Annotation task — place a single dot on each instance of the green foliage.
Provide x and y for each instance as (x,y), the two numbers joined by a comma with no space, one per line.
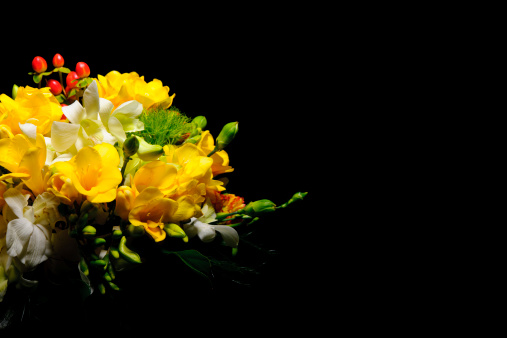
(164,126)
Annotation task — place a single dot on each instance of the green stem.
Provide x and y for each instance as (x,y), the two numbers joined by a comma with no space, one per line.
(125,161)
(213,151)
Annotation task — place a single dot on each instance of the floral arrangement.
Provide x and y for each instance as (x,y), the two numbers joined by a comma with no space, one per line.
(98,175)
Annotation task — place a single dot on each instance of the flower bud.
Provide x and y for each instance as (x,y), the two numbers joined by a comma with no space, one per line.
(14,91)
(130,146)
(200,121)
(297,197)
(148,152)
(89,231)
(227,134)
(259,207)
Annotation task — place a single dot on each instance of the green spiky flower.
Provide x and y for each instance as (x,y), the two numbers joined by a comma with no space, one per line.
(164,126)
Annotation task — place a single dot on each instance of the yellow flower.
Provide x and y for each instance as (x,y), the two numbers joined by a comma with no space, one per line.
(220,158)
(195,176)
(152,210)
(36,106)
(93,172)
(119,88)
(25,159)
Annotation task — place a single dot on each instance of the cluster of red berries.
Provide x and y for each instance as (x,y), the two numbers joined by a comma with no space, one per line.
(72,80)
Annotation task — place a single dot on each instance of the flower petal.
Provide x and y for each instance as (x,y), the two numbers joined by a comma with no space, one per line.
(116,129)
(18,235)
(63,135)
(106,107)
(30,131)
(36,249)
(16,201)
(91,101)
(74,113)
(229,235)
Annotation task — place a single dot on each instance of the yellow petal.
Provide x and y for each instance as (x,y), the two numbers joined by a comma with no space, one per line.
(108,154)
(157,174)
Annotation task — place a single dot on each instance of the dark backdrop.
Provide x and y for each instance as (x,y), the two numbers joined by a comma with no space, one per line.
(261,81)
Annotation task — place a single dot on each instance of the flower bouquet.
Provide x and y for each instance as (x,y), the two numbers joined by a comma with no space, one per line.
(102,176)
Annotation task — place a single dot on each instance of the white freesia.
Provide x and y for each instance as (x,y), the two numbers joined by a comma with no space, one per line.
(87,129)
(28,236)
(207,232)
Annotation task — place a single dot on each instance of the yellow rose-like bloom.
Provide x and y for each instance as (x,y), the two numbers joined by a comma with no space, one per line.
(32,105)
(119,88)
(152,210)
(93,172)
(62,187)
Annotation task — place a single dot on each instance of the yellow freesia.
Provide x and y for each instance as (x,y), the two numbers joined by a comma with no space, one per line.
(152,210)
(220,158)
(119,88)
(195,176)
(94,172)
(32,105)
(25,160)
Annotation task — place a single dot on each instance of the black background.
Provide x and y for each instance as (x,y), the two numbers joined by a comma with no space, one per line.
(264,80)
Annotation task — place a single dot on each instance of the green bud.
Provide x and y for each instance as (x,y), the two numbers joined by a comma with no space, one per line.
(113,286)
(14,91)
(73,219)
(82,221)
(83,267)
(99,263)
(200,121)
(126,253)
(174,230)
(117,234)
(114,252)
(148,152)
(227,134)
(297,197)
(193,139)
(259,207)
(130,146)
(99,241)
(89,231)
(135,230)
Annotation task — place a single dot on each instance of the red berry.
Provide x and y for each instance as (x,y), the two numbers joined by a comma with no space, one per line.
(54,87)
(39,64)
(71,80)
(57,61)
(82,70)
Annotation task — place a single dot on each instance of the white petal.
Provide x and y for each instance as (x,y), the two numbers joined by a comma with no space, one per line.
(116,129)
(18,235)
(74,113)
(131,109)
(63,135)
(229,235)
(106,107)
(30,131)
(36,249)
(204,231)
(127,114)
(16,201)
(91,101)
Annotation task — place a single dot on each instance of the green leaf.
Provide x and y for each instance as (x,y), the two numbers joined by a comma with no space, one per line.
(47,73)
(62,69)
(60,98)
(195,261)
(84,82)
(37,78)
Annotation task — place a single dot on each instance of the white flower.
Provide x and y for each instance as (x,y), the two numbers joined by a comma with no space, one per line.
(207,232)
(28,237)
(87,129)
